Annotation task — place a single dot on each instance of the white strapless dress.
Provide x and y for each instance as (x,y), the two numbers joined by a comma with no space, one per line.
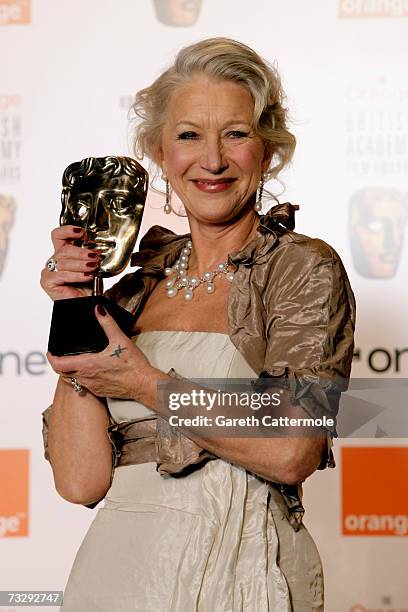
(217,540)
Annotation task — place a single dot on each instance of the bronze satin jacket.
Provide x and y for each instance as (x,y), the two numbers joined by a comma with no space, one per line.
(291,314)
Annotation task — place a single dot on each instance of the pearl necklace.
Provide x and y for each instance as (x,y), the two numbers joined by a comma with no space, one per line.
(189,283)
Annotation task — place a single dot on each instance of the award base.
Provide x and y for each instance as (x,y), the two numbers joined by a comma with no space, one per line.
(75,329)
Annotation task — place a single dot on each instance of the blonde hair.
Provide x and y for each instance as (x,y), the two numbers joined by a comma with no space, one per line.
(221,58)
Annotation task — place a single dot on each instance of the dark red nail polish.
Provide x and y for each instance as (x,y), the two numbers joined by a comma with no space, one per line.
(93,255)
(101,310)
(91,264)
(78,230)
(88,274)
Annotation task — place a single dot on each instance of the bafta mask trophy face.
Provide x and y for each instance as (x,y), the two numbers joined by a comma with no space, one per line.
(106,196)
(177,12)
(377,220)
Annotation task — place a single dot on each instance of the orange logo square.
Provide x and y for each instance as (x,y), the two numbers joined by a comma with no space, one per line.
(13,12)
(14,465)
(374,491)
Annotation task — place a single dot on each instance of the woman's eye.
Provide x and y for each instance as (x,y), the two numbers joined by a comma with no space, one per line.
(187,136)
(238,134)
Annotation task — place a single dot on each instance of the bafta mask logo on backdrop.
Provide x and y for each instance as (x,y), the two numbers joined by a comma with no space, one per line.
(366,471)
(10,137)
(179,13)
(372,8)
(14,12)
(14,469)
(377,220)
(7,211)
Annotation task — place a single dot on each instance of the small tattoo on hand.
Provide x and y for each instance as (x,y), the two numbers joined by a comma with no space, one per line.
(117,352)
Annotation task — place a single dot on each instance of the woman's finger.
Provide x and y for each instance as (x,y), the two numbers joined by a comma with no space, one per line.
(56,279)
(111,329)
(76,265)
(70,251)
(61,234)
(68,363)
(58,284)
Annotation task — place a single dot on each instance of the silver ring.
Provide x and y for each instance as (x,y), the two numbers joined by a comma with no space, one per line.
(77,387)
(52,265)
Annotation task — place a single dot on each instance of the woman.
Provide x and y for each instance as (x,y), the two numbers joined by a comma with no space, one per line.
(194,522)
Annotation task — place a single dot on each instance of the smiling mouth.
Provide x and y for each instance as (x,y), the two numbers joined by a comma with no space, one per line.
(213,185)
(214,181)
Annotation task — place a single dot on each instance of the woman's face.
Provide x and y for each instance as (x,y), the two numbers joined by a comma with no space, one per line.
(209,151)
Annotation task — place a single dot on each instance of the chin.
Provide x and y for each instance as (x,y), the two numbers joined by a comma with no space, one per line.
(217,211)
(217,217)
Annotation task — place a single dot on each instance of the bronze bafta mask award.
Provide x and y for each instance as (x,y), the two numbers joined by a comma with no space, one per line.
(106,196)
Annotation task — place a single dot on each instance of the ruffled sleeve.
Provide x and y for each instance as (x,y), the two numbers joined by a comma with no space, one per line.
(310,328)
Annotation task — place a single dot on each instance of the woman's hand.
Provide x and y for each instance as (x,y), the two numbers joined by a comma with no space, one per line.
(74,265)
(121,370)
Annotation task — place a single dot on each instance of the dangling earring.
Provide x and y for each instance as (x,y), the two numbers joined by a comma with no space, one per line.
(258,205)
(167,206)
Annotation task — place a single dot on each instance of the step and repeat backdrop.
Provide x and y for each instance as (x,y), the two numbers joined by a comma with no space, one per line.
(68,73)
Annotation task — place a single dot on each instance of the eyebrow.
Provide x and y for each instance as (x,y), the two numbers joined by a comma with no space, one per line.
(234,122)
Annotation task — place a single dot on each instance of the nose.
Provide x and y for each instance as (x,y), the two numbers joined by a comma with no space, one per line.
(213,159)
(97,219)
